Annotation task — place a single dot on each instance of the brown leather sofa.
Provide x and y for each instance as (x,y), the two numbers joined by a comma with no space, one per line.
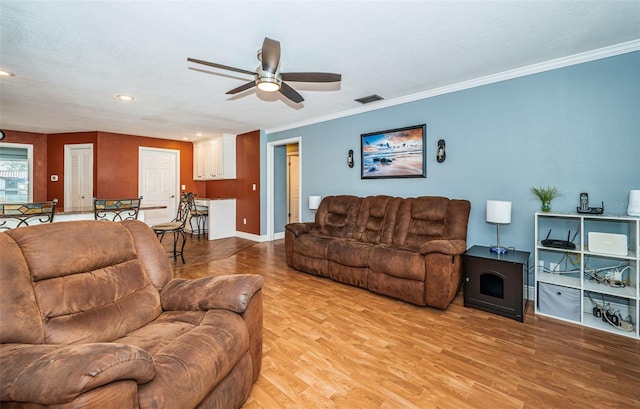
(407,248)
(92,318)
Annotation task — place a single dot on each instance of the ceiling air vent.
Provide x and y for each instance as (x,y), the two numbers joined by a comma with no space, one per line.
(368,99)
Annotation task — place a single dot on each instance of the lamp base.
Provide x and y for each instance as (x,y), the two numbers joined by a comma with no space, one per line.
(499,250)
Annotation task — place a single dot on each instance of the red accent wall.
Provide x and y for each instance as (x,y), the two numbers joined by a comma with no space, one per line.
(40,177)
(116,168)
(55,160)
(117,159)
(115,162)
(247,173)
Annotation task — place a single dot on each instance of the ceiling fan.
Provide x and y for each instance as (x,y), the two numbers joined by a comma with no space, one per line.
(268,77)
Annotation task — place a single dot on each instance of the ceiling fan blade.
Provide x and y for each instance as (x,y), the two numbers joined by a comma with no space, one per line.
(224,67)
(290,93)
(243,87)
(270,55)
(311,77)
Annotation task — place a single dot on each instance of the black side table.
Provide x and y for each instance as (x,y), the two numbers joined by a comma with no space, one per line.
(494,282)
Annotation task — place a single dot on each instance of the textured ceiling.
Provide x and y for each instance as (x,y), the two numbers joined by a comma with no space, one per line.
(71,59)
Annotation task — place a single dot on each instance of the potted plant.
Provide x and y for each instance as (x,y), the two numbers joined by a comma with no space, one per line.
(546,194)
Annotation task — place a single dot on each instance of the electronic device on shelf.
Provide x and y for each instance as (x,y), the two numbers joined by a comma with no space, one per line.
(560,244)
(584,205)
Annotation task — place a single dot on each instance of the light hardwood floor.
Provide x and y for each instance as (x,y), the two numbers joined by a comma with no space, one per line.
(331,345)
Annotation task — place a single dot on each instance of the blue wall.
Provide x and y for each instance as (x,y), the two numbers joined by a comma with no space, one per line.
(576,128)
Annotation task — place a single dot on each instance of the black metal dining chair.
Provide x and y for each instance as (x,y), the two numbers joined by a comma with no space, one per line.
(198,214)
(176,227)
(116,209)
(13,215)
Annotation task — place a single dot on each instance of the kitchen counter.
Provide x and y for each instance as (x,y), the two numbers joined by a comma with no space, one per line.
(222,216)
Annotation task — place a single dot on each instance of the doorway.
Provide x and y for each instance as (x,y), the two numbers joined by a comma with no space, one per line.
(276,206)
(293,184)
(78,177)
(158,178)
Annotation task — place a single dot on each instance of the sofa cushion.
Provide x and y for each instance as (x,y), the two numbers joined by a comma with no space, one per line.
(397,262)
(192,351)
(349,252)
(337,215)
(419,220)
(312,246)
(377,219)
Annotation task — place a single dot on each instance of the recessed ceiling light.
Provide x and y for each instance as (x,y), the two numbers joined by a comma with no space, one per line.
(199,134)
(125,97)
(185,138)
(4,73)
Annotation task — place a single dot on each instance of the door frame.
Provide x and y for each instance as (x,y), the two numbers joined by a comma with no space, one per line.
(67,171)
(289,156)
(175,152)
(270,182)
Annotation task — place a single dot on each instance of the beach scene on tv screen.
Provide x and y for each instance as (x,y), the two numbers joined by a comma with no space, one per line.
(393,154)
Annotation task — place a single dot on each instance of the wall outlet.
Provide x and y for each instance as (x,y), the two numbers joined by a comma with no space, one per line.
(554,267)
(184,187)
(244,220)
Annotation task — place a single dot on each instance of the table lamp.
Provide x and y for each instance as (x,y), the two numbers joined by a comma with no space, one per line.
(314,202)
(498,212)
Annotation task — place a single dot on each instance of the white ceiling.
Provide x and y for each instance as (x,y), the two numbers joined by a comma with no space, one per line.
(71,59)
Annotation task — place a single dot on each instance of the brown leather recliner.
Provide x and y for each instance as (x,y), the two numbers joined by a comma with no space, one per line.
(407,248)
(90,317)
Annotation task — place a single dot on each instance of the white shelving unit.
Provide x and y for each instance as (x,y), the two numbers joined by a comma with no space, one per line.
(569,281)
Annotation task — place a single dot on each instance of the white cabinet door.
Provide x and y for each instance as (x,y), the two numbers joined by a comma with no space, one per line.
(198,161)
(215,158)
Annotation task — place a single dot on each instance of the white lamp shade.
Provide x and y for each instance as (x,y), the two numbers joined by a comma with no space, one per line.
(634,203)
(314,202)
(498,212)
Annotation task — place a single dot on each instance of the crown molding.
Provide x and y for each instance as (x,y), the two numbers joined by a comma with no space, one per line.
(600,53)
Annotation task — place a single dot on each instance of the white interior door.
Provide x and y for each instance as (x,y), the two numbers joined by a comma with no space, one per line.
(78,177)
(159,173)
(293,188)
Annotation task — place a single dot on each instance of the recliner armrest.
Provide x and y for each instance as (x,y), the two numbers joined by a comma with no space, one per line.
(449,247)
(232,292)
(57,374)
(303,228)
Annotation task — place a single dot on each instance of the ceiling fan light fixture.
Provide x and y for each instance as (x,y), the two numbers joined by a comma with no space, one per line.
(268,84)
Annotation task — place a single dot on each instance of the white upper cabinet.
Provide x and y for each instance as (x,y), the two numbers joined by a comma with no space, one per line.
(215,158)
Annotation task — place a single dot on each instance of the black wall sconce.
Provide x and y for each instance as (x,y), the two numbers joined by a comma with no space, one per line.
(350,158)
(442,154)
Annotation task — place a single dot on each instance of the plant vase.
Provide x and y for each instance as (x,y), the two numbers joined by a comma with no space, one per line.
(546,194)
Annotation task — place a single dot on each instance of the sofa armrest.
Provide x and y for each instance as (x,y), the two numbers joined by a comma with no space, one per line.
(303,228)
(57,374)
(230,292)
(449,247)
